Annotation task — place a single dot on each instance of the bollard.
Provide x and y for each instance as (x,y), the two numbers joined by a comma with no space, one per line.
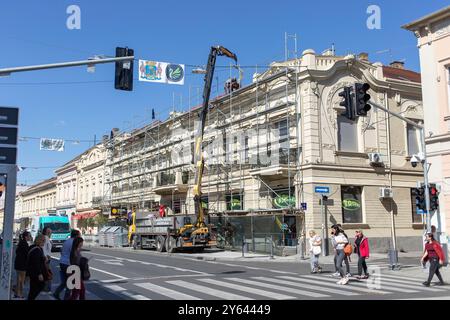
(243,246)
(271,247)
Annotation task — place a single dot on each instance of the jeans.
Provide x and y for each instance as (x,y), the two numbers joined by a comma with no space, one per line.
(36,287)
(340,257)
(347,264)
(314,262)
(362,266)
(434,269)
(63,284)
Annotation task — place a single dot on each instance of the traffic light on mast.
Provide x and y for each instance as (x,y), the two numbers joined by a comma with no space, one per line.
(434,197)
(347,102)
(362,98)
(124,70)
(420,198)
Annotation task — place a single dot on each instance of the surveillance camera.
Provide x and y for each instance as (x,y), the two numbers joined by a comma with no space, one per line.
(414,161)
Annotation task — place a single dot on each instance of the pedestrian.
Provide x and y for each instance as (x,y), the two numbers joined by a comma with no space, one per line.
(336,273)
(362,250)
(76,259)
(20,263)
(434,254)
(47,232)
(340,241)
(315,242)
(433,231)
(64,263)
(36,267)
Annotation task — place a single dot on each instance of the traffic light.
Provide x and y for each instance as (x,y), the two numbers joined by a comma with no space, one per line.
(124,70)
(347,103)
(420,198)
(362,98)
(434,197)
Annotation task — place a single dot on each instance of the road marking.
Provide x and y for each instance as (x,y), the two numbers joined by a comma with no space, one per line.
(209,291)
(391,287)
(333,284)
(99,270)
(135,296)
(307,286)
(433,298)
(264,293)
(411,283)
(393,282)
(153,264)
(166,292)
(280,288)
(410,279)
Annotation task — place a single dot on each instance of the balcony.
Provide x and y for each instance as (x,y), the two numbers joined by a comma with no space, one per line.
(172,183)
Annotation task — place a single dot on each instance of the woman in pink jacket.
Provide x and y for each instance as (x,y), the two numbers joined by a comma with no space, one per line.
(362,249)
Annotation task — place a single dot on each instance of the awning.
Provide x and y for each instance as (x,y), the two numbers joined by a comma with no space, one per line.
(86,215)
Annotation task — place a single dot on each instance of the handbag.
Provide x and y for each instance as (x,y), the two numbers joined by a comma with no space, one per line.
(316,250)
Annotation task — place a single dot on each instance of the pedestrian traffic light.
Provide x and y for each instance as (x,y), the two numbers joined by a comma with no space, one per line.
(347,102)
(420,198)
(362,98)
(434,197)
(124,70)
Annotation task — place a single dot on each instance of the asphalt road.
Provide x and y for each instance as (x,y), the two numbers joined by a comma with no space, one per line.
(124,274)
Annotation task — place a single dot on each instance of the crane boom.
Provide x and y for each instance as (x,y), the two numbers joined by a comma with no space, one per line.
(198,157)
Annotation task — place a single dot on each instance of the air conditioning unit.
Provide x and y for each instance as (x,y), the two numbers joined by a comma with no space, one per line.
(375,159)
(386,193)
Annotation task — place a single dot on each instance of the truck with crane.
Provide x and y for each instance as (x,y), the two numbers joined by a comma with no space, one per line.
(152,230)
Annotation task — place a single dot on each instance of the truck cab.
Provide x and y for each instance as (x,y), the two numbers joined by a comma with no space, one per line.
(60,226)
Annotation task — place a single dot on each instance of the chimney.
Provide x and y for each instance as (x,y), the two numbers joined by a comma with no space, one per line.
(363,56)
(397,64)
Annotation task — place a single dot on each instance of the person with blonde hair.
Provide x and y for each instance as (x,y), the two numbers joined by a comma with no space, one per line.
(315,249)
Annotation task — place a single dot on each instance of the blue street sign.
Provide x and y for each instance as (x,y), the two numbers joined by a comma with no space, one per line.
(420,211)
(304,206)
(322,190)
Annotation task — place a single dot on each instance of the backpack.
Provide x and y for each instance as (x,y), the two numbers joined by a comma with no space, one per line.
(348,249)
(84,268)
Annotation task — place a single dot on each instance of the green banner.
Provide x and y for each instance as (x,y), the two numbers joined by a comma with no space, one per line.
(284,201)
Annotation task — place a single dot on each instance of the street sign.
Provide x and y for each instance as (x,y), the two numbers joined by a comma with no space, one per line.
(9,116)
(8,136)
(304,206)
(322,190)
(420,211)
(8,155)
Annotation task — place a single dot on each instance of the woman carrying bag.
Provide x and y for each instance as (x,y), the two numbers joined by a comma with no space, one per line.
(434,254)
(37,268)
(315,243)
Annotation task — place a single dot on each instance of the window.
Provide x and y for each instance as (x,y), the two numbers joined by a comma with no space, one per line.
(347,134)
(413,141)
(351,204)
(246,151)
(235,201)
(283,141)
(416,218)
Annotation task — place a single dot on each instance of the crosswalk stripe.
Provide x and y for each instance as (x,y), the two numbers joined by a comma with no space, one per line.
(407,284)
(364,286)
(280,288)
(400,277)
(326,282)
(307,286)
(209,291)
(264,293)
(135,296)
(166,292)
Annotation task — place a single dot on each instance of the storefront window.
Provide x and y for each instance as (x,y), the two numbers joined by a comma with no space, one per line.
(351,204)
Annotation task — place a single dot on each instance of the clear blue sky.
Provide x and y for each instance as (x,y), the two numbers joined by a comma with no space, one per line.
(35,32)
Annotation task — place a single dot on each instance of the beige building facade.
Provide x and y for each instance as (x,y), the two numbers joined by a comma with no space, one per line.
(433,34)
(270,144)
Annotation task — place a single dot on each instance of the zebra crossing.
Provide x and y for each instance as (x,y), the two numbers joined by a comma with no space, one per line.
(278,287)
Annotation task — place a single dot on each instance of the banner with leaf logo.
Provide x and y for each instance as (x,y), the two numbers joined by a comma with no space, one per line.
(162,72)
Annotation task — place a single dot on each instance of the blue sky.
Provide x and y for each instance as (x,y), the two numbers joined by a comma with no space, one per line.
(35,32)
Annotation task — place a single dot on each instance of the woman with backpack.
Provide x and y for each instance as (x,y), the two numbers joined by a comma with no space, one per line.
(362,250)
(77,259)
(433,252)
(36,267)
(315,242)
(20,263)
(339,242)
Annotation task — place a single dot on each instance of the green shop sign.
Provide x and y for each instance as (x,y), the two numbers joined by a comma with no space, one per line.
(351,204)
(284,201)
(235,204)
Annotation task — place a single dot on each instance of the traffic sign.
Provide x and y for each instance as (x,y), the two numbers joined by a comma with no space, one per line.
(8,155)
(304,206)
(322,190)
(8,136)
(9,116)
